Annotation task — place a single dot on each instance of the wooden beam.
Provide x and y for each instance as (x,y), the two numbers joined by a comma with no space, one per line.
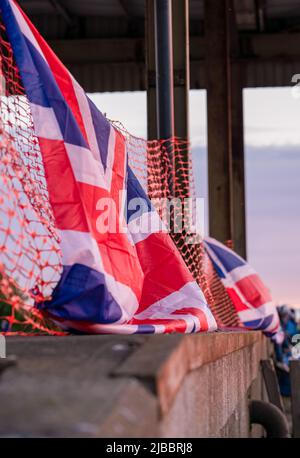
(238,163)
(218,79)
(237,141)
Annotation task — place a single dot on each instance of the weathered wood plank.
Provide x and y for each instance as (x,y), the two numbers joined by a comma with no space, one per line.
(219,141)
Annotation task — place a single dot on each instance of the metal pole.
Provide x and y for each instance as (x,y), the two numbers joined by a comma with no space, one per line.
(181,56)
(164,68)
(181,67)
(151,72)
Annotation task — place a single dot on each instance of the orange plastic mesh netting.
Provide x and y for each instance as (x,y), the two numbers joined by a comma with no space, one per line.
(30,263)
(164,168)
(30,259)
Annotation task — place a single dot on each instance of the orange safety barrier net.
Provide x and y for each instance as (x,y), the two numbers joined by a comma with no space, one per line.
(30,261)
(164,168)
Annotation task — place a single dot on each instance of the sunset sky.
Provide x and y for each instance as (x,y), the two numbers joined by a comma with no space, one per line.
(272,139)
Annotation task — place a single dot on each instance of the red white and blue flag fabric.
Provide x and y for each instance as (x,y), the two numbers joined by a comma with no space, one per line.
(126,280)
(250,297)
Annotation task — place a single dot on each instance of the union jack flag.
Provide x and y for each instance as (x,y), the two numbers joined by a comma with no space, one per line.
(250,297)
(132,281)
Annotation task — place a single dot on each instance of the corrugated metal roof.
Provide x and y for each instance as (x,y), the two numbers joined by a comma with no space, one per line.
(51,27)
(95,7)
(124,18)
(115,77)
(112,77)
(269,73)
(274,8)
(246,9)
(37,7)
(282,8)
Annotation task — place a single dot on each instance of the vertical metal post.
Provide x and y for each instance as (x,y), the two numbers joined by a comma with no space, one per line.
(181,67)
(164,68)
(151,72)
(181,56)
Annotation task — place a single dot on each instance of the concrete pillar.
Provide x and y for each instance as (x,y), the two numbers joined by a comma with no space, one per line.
(151,73)
(218,76)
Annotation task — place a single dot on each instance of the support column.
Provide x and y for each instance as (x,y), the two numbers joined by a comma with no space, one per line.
(151,73)
(164,68)
(218,76)
(238,164)
(237,138)
(181,67)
